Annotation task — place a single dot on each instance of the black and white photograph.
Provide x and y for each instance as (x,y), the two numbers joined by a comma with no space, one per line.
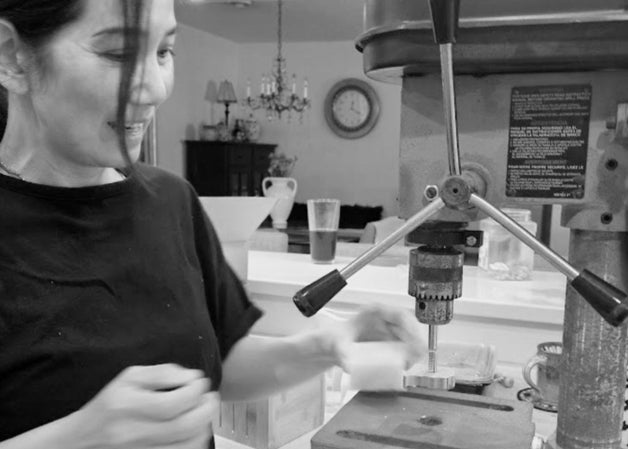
(313,224)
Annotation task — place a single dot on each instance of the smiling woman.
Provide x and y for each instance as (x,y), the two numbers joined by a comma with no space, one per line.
(120,319)
(81,81)
(90,92)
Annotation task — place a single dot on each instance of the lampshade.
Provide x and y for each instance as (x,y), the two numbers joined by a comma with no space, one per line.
(211,92)
(226,94)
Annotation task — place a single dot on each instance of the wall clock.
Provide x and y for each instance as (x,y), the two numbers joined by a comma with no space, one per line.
(351,108)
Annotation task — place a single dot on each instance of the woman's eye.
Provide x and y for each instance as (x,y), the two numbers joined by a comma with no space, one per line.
(165,53)
(122,56)
(117,56)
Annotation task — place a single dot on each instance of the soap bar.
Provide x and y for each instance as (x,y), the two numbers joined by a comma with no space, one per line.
(377,366)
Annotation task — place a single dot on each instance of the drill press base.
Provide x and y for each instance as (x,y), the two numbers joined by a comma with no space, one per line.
(426,419)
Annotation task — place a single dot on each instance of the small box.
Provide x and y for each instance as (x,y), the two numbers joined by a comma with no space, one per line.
(272,422)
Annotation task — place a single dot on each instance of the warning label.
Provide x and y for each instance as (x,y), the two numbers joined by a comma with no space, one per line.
(548,140)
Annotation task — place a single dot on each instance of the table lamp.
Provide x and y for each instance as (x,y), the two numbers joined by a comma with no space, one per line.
(226,95)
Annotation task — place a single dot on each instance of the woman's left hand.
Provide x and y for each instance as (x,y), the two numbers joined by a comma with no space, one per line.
(377,323)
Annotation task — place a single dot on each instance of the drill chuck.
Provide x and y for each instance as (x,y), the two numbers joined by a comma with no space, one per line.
(434,311)
(435,280)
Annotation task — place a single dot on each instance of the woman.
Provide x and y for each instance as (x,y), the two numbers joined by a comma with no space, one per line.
(120,321)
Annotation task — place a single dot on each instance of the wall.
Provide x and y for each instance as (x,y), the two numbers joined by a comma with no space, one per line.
(358,171)
(325,162)
(200,57)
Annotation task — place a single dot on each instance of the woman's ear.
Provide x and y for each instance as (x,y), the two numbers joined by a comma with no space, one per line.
(12,60)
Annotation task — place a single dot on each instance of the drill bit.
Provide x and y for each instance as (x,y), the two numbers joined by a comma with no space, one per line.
(431,348)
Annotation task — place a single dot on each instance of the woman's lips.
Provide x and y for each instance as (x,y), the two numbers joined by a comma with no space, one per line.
(132,129)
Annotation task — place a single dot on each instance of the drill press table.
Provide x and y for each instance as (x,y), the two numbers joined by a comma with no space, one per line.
(428,419)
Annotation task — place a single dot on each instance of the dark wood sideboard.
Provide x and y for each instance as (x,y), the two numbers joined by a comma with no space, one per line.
(227,168)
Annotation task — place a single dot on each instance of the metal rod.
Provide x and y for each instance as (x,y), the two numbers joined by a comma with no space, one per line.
(449,103)
(432,346)
(558,262)
(389,241)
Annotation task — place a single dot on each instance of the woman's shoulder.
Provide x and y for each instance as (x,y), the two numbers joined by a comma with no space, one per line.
(160,179)
(162,189)
(156,174)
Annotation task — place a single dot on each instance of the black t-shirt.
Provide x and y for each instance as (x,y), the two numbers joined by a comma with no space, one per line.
(95,279)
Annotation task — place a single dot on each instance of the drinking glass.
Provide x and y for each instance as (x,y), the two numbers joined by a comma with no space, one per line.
(323,216)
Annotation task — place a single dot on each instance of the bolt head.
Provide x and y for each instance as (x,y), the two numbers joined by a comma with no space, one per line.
(471,241)
(431,192)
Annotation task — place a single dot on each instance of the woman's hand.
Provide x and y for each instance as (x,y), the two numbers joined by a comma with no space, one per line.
(377,323)
(163,406)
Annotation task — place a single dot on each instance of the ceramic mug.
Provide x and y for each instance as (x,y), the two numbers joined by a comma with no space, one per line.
(547,362)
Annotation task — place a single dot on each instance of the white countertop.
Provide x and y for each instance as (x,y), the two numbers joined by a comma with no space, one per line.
(540,299)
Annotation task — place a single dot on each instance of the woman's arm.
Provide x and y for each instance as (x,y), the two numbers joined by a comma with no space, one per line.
(261,366)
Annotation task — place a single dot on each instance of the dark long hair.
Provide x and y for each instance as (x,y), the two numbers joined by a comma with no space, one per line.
(38,21)
(132,13)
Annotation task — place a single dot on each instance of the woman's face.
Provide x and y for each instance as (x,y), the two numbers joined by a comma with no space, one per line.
(75,97)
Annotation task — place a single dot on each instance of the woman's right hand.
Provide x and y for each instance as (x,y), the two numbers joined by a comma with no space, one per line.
(163,406)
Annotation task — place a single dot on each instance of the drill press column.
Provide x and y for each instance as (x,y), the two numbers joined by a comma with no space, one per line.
(593,374)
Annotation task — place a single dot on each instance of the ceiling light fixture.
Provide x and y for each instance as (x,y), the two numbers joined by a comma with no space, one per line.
(276,96)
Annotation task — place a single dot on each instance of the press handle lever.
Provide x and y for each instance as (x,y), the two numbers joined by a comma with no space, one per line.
(610,302)
(445,23)
(445,20)
(313,297)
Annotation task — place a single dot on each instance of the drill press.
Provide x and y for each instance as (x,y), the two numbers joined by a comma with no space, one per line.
(593,375)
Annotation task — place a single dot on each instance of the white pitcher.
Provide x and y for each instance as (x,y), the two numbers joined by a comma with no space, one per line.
(284,189)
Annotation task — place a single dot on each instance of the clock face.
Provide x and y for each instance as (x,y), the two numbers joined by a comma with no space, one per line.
(351,108)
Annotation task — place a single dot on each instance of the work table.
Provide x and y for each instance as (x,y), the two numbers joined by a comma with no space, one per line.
(545,422)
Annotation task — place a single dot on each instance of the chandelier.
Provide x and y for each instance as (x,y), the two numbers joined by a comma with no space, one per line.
(276,96)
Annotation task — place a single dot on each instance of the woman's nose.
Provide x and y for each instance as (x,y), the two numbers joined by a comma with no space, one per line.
(152,83)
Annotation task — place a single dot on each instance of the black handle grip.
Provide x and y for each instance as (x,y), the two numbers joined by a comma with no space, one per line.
(445,20)
(608,301)
(312,298)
